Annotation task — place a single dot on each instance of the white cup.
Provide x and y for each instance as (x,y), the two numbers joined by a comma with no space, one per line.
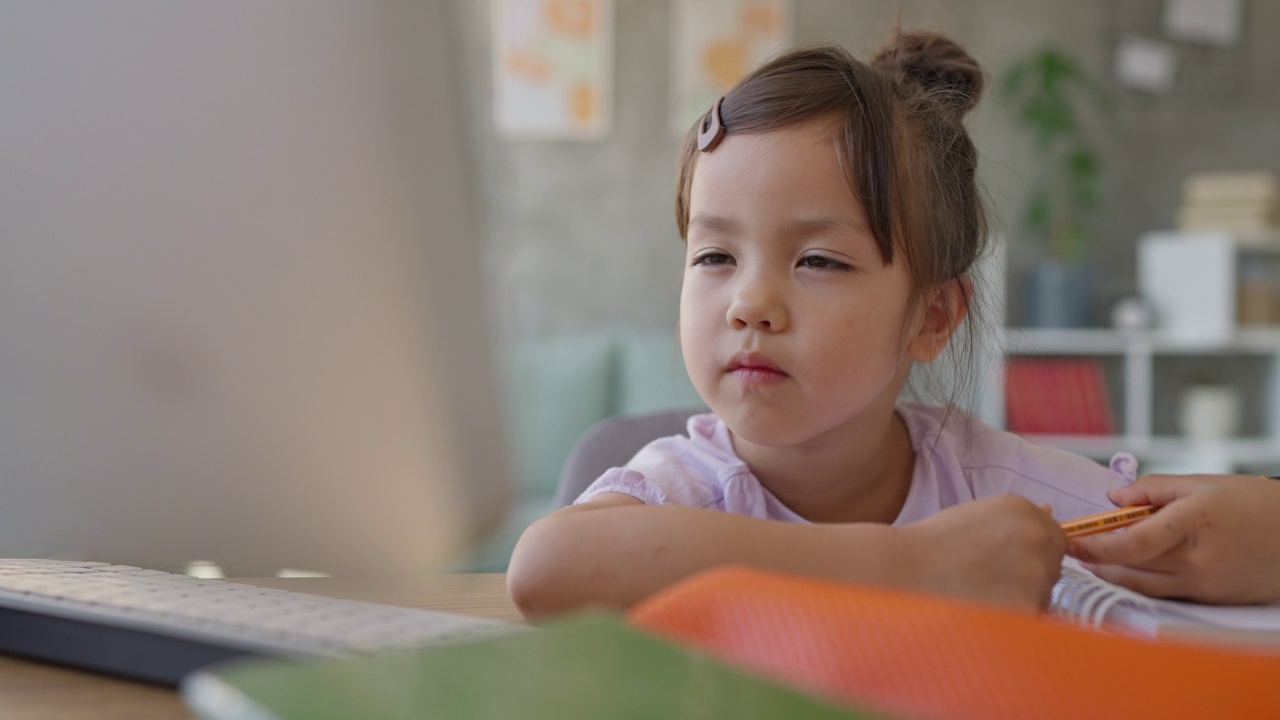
(1210,413)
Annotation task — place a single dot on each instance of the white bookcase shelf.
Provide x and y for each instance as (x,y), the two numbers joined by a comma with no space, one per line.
(1065,341)
(1196,284)
(1139,358)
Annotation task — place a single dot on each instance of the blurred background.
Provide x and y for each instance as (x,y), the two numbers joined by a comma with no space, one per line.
(1109,132)
(583,232)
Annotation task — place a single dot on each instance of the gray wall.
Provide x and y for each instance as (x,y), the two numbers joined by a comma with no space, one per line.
(583,235)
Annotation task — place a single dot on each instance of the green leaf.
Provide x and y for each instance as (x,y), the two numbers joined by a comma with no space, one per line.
(1086,178)
(1036,217)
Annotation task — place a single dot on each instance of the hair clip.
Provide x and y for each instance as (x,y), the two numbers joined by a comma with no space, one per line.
(711,131)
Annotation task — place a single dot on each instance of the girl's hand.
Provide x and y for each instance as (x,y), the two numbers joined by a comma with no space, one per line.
(1001,549)
(1216,538)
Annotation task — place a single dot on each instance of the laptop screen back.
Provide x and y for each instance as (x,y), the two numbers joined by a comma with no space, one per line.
(242,316)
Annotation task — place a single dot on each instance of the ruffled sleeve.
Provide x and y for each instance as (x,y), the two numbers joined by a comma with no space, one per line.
(673,470)
(627,482)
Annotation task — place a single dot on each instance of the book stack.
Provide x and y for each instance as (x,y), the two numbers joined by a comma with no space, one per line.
(1051,396)
(1243,203)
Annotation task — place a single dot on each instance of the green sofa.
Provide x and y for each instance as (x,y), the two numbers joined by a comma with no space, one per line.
(557,387)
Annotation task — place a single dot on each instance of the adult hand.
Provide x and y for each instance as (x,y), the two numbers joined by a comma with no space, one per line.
(1215,539)
(1001,549)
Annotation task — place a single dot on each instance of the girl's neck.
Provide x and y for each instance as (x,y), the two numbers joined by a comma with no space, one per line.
(863,478)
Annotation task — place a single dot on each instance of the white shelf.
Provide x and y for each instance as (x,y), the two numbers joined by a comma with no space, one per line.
(1196,301)
(1067,341)
(1137,351)
(1251,451)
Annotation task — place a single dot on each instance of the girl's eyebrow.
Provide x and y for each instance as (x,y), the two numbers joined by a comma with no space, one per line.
(714,223)
(794,228)
(802,228)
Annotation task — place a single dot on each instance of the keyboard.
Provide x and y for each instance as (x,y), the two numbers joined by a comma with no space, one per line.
(158,626)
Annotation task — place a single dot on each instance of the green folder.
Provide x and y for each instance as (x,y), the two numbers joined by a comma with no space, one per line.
(592,666)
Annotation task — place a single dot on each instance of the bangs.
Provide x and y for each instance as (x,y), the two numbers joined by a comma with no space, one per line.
(812,84)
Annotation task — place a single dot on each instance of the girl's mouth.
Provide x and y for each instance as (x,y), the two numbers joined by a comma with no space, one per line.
(755,368)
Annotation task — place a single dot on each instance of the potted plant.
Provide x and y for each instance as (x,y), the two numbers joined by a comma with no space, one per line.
(1052,97)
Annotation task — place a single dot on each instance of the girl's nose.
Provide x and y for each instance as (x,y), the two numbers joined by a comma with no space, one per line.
(756,305)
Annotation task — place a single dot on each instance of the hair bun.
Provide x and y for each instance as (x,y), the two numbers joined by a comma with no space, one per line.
(937,64)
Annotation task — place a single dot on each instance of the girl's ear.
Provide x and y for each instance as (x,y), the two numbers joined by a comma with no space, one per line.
(945,308)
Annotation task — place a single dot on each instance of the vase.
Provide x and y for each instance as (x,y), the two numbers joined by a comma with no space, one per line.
(1058,294)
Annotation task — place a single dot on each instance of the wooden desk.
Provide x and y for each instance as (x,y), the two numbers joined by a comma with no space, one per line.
(34,691)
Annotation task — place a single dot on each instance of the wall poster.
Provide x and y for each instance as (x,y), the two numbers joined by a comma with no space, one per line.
(714,43)
(553,68)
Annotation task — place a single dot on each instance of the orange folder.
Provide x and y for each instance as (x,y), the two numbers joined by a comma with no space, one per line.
(921,656)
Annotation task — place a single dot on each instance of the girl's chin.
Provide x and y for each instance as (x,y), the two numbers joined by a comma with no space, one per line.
(772,431)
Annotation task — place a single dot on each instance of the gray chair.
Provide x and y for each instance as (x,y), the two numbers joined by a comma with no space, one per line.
(611,443)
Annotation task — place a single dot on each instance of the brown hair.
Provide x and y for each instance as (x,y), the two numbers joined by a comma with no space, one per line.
(902,142)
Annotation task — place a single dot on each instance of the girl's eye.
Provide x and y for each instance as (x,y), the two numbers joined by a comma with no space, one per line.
(819,262)
(711,259)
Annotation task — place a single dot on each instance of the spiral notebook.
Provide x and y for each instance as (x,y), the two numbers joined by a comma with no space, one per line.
(1084,597)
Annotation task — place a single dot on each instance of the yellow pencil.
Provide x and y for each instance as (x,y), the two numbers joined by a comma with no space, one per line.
(1109,520)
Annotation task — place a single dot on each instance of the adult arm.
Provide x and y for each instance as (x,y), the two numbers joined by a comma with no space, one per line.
(614,551)
(1215,538)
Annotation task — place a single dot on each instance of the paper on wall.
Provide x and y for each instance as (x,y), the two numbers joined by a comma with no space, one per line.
(1216,22)
(1146,64)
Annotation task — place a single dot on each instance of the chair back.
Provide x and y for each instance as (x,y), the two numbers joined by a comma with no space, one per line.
(611,443)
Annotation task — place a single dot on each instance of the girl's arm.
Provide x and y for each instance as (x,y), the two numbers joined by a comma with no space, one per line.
(614,551)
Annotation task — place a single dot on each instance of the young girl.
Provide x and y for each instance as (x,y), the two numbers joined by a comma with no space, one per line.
(831,216)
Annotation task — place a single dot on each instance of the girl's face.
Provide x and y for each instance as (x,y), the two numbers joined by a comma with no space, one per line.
(791,323)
